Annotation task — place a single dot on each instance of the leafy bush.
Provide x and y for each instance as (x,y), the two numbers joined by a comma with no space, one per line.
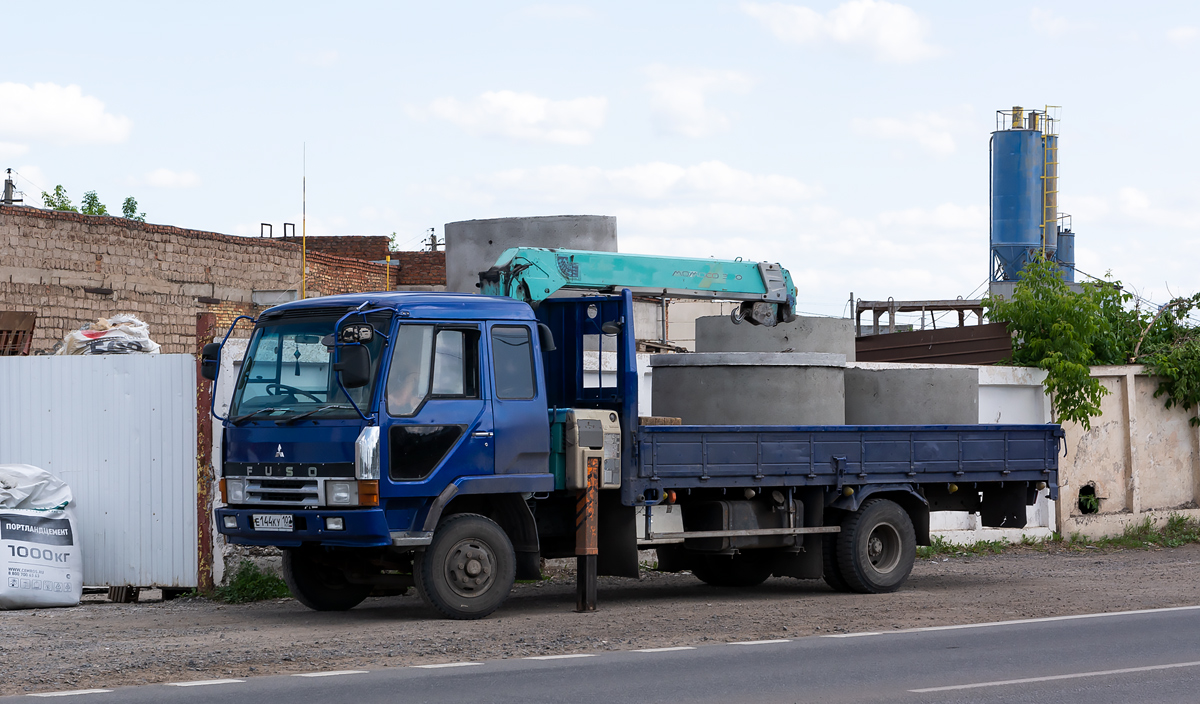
(249,583)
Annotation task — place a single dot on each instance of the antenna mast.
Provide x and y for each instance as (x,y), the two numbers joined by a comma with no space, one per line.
(304,221)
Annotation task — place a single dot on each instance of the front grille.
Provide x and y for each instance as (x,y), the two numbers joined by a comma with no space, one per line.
(301,492)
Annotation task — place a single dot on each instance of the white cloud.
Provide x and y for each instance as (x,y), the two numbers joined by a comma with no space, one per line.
(9,150)
(1136,204)
(654,181)
(61,115)
(323,58)
(166,178)
(1048,23)
(1183,35)
(678,97)
(932,130)
(559,12)
(895,32)
(525,116)
(947,216)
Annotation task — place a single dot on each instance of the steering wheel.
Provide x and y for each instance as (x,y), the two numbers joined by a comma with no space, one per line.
(282,389)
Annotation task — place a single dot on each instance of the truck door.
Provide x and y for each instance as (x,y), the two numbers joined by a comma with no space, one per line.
(518,405)
(439,418)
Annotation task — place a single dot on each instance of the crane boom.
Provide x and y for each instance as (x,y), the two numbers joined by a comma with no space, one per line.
(534,274)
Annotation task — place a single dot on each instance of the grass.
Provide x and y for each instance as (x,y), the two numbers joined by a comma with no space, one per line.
(249,583)
(1178,531)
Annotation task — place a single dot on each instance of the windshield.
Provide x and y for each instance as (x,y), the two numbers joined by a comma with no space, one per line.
(288,371)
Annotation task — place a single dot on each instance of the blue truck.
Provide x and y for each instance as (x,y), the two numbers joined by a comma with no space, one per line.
(450,442)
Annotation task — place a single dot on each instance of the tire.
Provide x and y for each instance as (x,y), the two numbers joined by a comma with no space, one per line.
(830,571)
(318,586)
(877,547)
(468,570)
(731,570)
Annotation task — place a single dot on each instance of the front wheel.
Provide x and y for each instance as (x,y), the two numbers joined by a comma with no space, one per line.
(877,547)
(320,587)
(468,570)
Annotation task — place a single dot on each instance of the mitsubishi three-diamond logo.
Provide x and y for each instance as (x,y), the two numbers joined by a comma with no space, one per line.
(279,451)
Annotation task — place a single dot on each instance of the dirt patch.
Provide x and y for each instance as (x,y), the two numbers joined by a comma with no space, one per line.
(105,644)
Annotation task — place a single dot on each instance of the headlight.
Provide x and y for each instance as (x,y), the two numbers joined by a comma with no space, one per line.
(366,453)
(231,522)
(236,489)
(341,493)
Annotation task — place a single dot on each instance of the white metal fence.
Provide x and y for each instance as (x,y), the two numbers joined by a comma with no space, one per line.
(121,430)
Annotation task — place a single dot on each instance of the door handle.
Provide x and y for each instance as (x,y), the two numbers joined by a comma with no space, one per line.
(481,434)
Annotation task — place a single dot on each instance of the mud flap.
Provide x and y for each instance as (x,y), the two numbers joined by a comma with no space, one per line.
(514,516)
(618,556)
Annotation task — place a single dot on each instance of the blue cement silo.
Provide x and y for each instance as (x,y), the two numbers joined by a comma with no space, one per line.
(1066,254)
(1017,214)
(1025,222)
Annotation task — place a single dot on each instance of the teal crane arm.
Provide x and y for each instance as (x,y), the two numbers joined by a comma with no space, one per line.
(533,274)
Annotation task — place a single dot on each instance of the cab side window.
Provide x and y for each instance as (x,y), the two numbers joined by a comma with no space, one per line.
(512,362)
(456,363)
(432,362)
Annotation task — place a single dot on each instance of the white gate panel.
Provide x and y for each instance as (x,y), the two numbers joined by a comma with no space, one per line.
(121,430)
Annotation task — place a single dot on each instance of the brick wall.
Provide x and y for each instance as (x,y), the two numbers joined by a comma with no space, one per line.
(370,248)
(71,269)
(424,269)
(421,268)
(328,275)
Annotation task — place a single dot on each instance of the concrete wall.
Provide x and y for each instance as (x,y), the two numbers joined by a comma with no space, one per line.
(473,246)
(911,394)
(1142,458)
(749,388)
(828,335)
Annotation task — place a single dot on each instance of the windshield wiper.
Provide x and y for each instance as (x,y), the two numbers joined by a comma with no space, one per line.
(243,418)
(292,419)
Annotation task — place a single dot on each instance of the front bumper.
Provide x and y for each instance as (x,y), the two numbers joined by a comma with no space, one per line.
(365,528)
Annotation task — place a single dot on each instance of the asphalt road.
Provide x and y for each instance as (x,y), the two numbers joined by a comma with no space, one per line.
(1136,656)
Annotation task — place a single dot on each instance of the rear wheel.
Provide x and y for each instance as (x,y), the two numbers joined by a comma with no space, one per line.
(468,570)
(877,547)
(740,570)
(319,586)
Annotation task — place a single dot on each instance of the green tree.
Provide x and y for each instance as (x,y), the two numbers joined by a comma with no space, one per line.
(58,200)
(91,204)
(130,210)
(1056,329)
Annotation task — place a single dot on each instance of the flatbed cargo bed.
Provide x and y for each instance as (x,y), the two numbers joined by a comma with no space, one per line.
(697,456)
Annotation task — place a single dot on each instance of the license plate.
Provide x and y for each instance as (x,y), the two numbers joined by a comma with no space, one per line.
(273,521)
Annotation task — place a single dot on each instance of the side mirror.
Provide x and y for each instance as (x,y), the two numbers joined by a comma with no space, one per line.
(354,366)
(210,360)
(546,338)
(612,327)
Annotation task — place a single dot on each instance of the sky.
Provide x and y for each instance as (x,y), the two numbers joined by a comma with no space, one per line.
(847,141)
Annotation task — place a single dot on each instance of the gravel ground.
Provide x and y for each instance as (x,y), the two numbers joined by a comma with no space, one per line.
(104,644)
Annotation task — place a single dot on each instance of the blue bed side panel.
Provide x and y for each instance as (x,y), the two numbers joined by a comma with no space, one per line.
(675,457)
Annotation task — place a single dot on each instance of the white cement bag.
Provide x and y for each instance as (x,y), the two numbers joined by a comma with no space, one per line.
(40,563)
(120,334)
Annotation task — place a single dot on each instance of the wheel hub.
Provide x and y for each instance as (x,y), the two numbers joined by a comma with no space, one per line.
(884,548)
(470,568)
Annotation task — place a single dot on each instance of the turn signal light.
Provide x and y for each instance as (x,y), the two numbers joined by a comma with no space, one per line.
(223,494)
(368,492)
